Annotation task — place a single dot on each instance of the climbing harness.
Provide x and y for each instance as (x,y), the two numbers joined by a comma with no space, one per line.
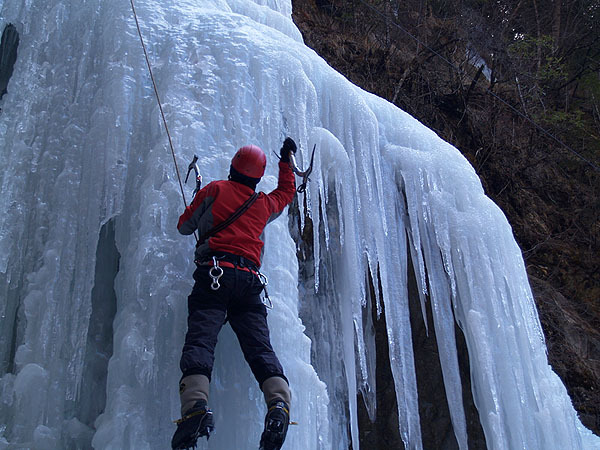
(304,174)
(194,166)
(215,272)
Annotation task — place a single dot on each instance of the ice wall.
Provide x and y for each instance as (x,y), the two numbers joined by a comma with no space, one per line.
(94,276)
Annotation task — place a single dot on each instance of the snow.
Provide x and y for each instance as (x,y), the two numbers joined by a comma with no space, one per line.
(94,276)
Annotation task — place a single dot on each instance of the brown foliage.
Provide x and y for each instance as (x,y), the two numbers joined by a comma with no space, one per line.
(427,57)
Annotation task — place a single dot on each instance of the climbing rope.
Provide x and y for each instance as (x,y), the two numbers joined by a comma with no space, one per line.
(137,24)
(162,113)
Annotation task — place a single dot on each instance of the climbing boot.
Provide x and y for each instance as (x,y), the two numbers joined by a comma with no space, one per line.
(197,422)
(276,425)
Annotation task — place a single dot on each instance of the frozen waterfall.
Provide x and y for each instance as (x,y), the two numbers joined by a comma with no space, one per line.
(94,276)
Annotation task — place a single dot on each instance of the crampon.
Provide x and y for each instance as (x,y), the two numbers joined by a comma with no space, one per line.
(276,425)
(196,423)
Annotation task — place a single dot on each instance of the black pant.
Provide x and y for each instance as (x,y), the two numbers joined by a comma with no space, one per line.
(238,301)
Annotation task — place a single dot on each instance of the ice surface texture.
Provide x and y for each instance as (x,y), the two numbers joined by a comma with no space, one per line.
(94,276)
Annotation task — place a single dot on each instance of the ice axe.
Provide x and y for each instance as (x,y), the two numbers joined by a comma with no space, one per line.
(304,174)
(194,166)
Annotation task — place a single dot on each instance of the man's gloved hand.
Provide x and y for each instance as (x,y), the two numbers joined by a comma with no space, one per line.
(288,146)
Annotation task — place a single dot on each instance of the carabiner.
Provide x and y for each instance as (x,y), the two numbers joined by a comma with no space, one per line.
(215,272)
(265,281)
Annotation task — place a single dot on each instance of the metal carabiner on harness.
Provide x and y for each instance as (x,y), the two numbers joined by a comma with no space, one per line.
(215,272)
(265,281)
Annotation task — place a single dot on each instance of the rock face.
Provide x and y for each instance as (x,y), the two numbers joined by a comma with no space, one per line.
(573,349)
(551,203)
(436,424)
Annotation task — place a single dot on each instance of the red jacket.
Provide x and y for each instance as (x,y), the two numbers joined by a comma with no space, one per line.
(218,200)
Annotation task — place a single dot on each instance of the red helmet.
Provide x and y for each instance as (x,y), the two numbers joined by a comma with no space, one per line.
(250,160)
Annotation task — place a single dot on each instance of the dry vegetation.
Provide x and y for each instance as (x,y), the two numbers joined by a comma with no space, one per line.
(449,64)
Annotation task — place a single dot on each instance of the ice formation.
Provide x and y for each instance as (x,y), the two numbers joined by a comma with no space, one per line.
(94,276)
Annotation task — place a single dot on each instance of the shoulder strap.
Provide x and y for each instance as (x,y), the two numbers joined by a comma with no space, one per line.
(236,215)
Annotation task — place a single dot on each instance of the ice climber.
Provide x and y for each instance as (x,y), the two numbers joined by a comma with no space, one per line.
(230,218)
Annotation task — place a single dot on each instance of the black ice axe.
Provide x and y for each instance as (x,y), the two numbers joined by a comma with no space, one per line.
(304,174)
(194,166)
